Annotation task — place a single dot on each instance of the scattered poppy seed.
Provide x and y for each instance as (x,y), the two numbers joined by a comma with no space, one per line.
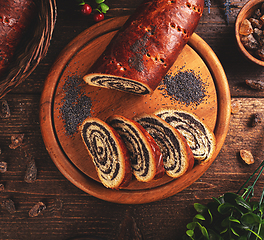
(185,87)
(76,106)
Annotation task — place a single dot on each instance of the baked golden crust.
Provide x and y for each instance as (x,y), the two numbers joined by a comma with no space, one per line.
(147,45)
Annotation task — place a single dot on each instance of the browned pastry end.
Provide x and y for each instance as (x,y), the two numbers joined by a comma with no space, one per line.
(148,44)
(15,17)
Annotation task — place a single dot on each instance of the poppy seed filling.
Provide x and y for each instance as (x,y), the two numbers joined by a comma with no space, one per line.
(136,147)
(194,132)
(119,83)
(167,142)
(102,147)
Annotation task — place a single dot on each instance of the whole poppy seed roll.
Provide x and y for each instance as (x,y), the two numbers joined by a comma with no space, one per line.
(145,48)
(199,136)
(108,151)
(177,155)
(146,157)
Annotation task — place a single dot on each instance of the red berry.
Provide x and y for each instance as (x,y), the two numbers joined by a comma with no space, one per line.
(98,17)
(86,9)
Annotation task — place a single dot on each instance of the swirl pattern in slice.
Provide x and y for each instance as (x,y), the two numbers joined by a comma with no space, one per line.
(199,136)
(109,153)
(177,156)
(146,158)
(118,83)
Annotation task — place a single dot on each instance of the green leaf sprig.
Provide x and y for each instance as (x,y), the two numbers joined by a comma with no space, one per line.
(232,216)
(102,7)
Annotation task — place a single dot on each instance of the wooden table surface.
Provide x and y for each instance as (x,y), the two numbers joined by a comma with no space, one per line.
(73,213)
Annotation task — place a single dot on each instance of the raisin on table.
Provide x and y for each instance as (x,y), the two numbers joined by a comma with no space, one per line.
(9,205)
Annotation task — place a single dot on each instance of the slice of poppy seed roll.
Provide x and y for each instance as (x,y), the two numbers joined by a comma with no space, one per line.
(145,48)
(146,157)
(108,151)
(177,156)
(199,136)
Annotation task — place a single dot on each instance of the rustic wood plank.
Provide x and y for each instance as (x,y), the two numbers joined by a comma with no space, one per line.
(158,220)
(78,213)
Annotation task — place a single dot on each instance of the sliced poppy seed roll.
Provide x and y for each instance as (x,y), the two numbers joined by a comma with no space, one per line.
(177,156)
(108,151)
(145,48)
(146,157)
(198,135)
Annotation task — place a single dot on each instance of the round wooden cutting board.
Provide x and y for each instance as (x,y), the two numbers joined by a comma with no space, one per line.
(66,100)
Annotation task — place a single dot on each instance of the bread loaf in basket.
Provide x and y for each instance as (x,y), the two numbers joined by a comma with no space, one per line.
(24,46)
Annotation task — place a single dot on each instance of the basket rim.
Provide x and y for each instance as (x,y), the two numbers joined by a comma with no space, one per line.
(35,49)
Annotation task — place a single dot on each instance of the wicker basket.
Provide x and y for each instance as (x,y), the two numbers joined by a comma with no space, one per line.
(32,48)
